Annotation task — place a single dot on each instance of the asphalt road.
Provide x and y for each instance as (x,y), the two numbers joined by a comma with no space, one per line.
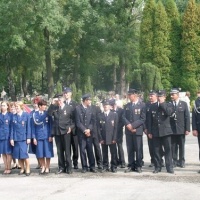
(183,185)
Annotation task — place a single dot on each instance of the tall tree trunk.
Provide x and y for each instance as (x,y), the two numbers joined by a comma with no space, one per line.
(76,71)
(24,85)
(50,81)
(11,84)
(115,78)
(122,75)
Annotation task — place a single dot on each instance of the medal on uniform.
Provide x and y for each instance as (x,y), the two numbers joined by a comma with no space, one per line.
(102,122)
(6,121)
(138,111)
(23,123)
(112,122)
(65,112)
(46,119)
(163,113)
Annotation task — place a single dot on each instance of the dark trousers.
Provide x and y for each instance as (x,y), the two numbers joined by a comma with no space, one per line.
(74,145)
(120,151)
(178,145)
(158,143)
(85,145)
(113,152)
(63,151)
(199,142)
(150,145)
(97,151)
(135,150)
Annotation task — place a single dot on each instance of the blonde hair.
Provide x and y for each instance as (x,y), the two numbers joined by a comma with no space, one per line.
(19,103)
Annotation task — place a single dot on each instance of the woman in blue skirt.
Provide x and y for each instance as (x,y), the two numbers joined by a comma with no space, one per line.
(20,137)
(41,134)
(5,146)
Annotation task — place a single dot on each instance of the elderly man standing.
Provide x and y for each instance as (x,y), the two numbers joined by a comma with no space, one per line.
(134,118)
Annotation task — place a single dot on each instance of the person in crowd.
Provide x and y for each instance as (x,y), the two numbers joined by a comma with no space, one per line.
(134,118)
(84,125)
(41,134)
(5,146)
(67,92)
(95,136)
(196,120)
(159,129)
(63,124)
(12,110)
(32,146)
(180,123)
(107,127)
(119,141)
(20,137)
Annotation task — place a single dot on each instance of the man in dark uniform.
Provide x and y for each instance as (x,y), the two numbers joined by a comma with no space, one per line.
(152,100)
(95,136)
(107,127)
(134,118)
(84,124)
(63,124)
(180,123)
(67,92)
(196,120)
(120,150)
(160,131)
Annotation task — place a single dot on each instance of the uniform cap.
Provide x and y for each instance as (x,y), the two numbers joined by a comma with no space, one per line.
(153,92)
(133,91)
(112,102)
(86,97)
(174,91)
(161,93)
(106,102)
(67,89)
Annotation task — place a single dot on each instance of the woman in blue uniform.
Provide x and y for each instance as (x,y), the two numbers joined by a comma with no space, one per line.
(5,146)
(20,137)
(41,134)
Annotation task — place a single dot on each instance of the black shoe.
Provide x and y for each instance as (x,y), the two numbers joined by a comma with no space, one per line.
(114,170)
(157,170)
(151,165)
(38,167)
(129,170)
(83,171)
(171,171)
(75,166)
(100,167)
(93,170)
(104,170)
(60,171)
(122,166)
(142,163)
(181,165)
(69,172)
(28,174)
(139,170)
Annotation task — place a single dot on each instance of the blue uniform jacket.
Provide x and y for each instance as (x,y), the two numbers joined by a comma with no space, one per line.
(20,127)
(40,126)
(5,122)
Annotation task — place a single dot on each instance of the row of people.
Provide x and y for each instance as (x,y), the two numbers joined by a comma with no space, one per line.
(166,125)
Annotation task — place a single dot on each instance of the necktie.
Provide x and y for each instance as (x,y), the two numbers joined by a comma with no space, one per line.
(175,105)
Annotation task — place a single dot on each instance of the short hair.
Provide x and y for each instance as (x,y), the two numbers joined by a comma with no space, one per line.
(42,102)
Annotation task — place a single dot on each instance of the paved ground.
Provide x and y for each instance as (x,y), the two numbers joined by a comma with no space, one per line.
(184,184)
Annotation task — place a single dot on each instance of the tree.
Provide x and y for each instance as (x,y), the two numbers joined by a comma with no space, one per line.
(189,46)
(161,44)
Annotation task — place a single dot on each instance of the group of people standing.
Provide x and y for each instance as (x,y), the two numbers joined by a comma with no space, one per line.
(90,131)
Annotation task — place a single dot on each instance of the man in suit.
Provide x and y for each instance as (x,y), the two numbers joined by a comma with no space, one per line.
(120,150)
(84,124)
(160,131)
(134,118)
(196,120)
(67,92)
(107,127)
(180,123)
(95,136)
(63,124)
